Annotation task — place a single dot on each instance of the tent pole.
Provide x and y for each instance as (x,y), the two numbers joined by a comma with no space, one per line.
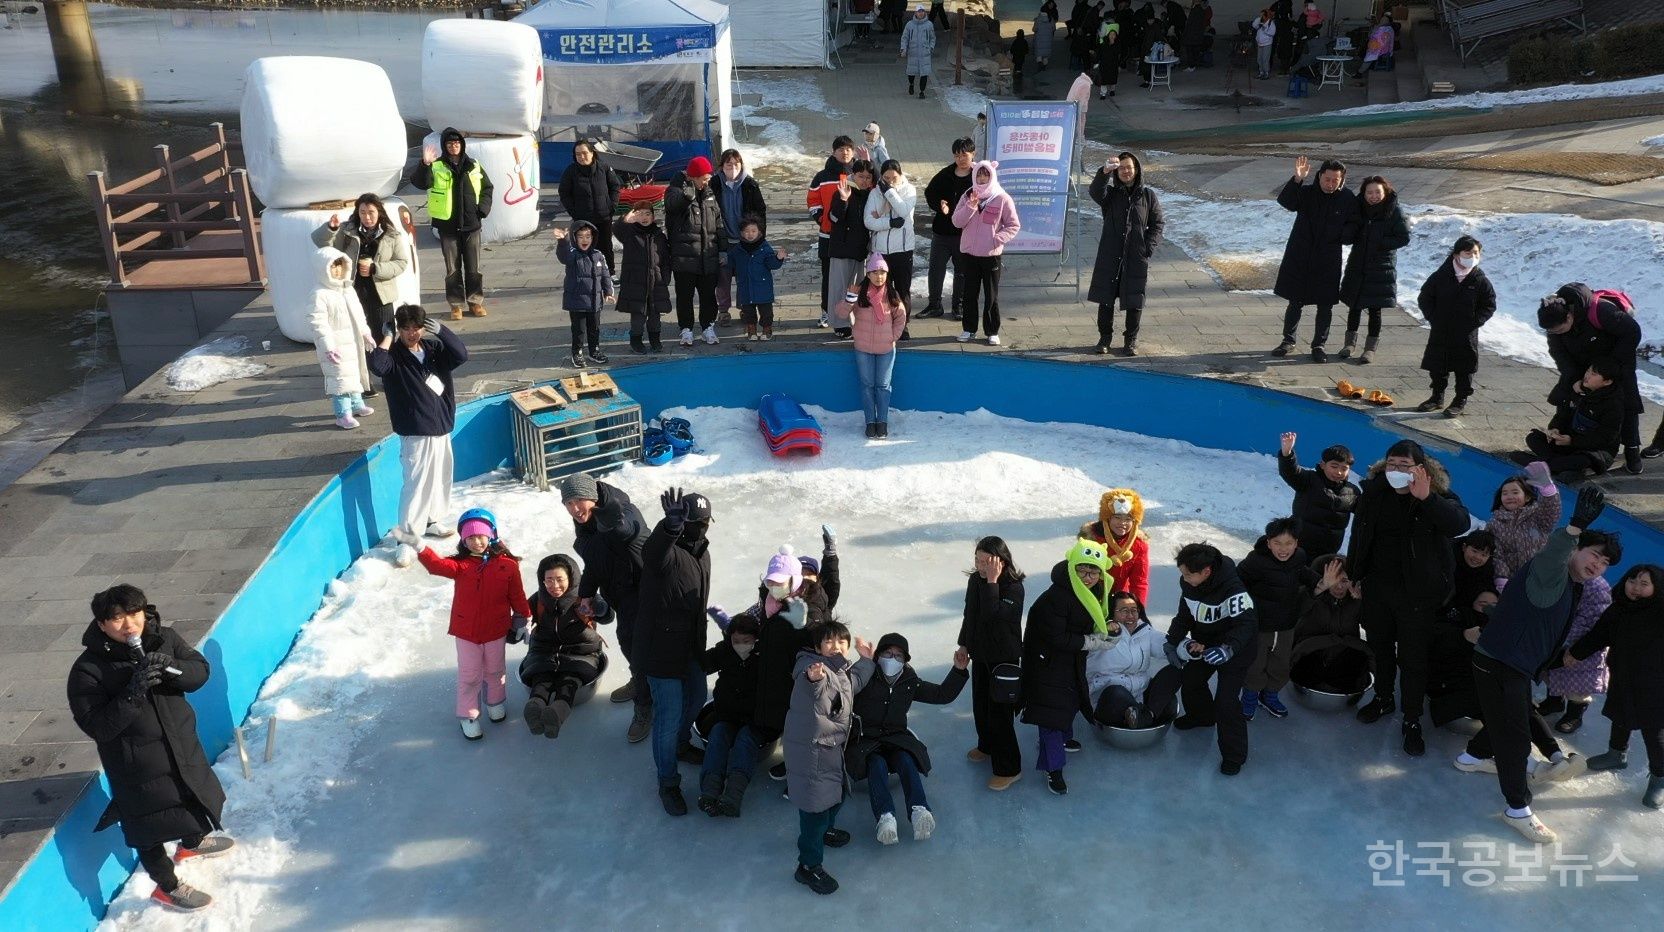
(959,49)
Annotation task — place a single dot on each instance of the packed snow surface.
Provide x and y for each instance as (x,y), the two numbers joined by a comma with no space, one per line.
(1559,93)
(218,360)
(376,814)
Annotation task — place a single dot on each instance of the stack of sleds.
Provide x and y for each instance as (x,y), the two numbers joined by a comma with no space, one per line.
(786,427)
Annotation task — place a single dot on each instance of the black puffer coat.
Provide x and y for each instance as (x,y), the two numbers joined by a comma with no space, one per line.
(1402,543)
(992,628)
(560,640)
(850,235)
(1371,278)
(1133,224)
(1310,272)
(1323,507)
(881,711)
(610,543)
(693,221)
(161,786)
(1635,633)
(735,697)
(645,271)
(1054,658)
(777,649)
(675,590)
(1455,310)
(589,192)
(588,279)
(1616,337)
(1277,587)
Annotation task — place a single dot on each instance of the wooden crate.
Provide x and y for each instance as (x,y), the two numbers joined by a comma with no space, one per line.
(593,435)
(589,385)
(541,398)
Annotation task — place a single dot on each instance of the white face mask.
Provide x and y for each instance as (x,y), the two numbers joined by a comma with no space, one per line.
(1399,480)
(890,665)
(732,172)
(744,650)
(779,590)
(1466,262)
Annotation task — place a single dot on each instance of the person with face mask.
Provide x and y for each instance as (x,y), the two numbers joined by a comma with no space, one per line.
(1400,555)
(1456,301)
(787,610)
(731,744)
(670,632)
(1325,219)
(1277,578)
(882,744)
(1323,497)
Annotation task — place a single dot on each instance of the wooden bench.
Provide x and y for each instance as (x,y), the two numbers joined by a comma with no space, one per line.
(1471,23)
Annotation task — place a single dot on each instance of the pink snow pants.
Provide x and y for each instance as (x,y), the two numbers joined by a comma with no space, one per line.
(476,663)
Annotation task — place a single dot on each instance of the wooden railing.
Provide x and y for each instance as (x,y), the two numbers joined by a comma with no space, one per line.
(199,193)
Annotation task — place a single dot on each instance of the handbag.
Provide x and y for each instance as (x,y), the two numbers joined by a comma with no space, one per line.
(1006,686)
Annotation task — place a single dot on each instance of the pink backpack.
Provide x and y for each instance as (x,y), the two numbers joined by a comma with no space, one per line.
(1618,299)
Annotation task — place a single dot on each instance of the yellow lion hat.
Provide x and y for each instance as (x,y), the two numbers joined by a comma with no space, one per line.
(1121,502)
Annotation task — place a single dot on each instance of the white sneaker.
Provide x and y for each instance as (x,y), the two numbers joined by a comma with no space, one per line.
(471,728)
(710,335)
(823,321)
(404,556)
(497,712)
(439,531)
(1532,828)
(924,824)
(345,422)
(1560,770)
(994,340)
(404,536)
(1467,764)
(753,337)
(887,829)
(687,337)
(363,411)
(965,336)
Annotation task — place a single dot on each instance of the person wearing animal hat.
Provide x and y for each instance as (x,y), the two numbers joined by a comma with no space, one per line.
(459,200)
(1068,621)
(1120,527)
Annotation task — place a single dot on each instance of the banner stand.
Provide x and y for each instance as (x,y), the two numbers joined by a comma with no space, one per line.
(1037,146)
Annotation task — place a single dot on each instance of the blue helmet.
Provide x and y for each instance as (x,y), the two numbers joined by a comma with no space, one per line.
(478,514)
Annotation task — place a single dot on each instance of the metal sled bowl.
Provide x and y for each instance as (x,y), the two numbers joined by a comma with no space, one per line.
(1131,739)
(1319,701)
(586,692)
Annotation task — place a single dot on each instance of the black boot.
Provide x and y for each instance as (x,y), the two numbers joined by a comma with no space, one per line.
(555,716)
(1573,719)
(1415,744)
(1129,336)
(637,346)
(1551,705)
(710,787)
(1377,707)
(1632,460)
(733,793)
(1434,402)
(672,800)
(654,344)
(1457,406)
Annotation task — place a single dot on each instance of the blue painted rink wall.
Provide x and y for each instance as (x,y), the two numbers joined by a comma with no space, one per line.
(69,883)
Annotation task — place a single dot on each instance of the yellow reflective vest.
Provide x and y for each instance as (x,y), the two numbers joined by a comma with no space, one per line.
(439,193)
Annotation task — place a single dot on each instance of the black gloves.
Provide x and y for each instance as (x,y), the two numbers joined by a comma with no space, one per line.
(159,660)
(675,510)
(897,223)
(143,679)
(1591,501)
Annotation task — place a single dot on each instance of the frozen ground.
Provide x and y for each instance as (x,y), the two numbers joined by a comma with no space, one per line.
(1526,257)
(375,813)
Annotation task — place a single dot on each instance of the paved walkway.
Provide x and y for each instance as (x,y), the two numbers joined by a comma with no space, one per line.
(184,494)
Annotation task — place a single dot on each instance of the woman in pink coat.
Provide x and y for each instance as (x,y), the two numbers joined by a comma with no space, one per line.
(987,220)
(877,316)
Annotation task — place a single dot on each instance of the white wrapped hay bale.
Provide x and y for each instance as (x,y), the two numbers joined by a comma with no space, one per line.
(320,129)
(511,162)
(482,74)
(291,262)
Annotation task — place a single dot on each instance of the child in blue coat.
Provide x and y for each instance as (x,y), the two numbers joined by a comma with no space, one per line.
(753,262)
(588,286)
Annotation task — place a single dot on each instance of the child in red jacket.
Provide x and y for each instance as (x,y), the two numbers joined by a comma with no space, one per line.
(489,599)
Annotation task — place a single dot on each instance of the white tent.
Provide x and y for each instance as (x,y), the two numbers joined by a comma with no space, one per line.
(654,72)
(779,33)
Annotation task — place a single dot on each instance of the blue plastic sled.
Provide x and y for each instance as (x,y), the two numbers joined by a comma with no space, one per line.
(780,415)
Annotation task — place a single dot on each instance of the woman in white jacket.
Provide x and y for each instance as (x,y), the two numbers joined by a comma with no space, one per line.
(342,338)
(890,221)
(1131,683)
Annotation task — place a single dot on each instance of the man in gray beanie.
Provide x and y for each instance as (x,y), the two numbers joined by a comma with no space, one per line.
(608,534)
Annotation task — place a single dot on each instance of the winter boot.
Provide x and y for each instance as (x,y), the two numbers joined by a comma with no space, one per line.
(1368,355)
(688,754)
(456,312)
(710,787)
(624,693)
(1632,460)
(733,793)
(924,824)
(816,878)
(1434,402)
(1551,705)
(1377,707)
(887,834)
(184,898)
(670,796)
(471,728)
(641,724)
(1350,344)
(1250,703)
(555,716)
(1130,349)
(1613,759)
(498,712)
(636,345)
(654,343)
(1457,406)
(1573,719)
(1415,744)
(1654,796)
(532,712)
(476,308)
(1273,703)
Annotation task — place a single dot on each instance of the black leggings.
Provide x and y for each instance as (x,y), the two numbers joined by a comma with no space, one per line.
(1160,698)
(159,865)
(1353,314)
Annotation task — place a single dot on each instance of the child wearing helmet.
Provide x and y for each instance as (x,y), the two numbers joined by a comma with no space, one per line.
(487,601)
(1068,621)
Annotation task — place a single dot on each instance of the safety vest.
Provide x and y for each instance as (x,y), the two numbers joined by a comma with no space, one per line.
(439,194)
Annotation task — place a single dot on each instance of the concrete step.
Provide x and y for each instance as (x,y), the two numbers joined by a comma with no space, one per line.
(1383,87)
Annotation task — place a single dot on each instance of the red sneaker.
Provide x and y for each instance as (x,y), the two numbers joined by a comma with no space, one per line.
(185,898)
(211,847)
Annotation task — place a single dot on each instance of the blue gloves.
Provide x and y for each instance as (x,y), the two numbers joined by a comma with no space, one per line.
(1217,656)
(828,540)
(796,611)
(719,616)
(675,510)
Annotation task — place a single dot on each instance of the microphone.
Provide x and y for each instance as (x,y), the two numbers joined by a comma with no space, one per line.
(137,647)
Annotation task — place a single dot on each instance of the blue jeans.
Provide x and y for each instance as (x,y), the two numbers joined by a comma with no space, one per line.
(730,747)
(346,403)
(811,834)
(875,370)
(676,703)
(879,766)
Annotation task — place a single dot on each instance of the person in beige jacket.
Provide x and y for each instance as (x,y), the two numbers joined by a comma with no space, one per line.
(372,239)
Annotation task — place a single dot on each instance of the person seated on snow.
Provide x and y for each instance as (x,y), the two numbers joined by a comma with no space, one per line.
(731,744)
(1578,334)
(1330,655)
(564,652)
(1068,621)
(1131,685)
(1277,578)
(1323,497)
(882,744)
(1582,437)
(1215,630)
(1121,512)
(1632,630)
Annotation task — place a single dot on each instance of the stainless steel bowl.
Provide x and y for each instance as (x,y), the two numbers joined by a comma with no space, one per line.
(1319,701)
(1131,739)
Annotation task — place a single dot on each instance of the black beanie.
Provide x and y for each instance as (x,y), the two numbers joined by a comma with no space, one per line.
(892,640)
(1409,448)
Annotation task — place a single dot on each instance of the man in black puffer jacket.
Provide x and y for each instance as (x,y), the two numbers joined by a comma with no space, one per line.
(670,632)
(1215,630)
(698,246)
(131,701)
(1577,338)
(1323,497)
(609,533)
(1401,556)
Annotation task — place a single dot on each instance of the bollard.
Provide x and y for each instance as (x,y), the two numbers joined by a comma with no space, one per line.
(271,738)
(242,754)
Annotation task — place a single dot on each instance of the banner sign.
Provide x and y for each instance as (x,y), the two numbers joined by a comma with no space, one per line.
(1043,217)
(620,45)
(1034,142)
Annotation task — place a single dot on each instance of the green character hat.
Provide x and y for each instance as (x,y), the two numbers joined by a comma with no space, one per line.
(1091,553)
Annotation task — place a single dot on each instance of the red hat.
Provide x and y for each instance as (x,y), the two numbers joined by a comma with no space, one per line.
(699,166)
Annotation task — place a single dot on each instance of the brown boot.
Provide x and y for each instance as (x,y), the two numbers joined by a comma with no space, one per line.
(751,332)
(456,312)
(476,308)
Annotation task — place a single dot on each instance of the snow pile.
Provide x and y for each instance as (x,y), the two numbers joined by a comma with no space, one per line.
(965,101)
(1651,84)
(212,363)
(1653,142)
(1526,257)
(376,813)
(780,142)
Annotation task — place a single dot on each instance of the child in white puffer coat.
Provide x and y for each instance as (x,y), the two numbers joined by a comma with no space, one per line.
(342,338)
